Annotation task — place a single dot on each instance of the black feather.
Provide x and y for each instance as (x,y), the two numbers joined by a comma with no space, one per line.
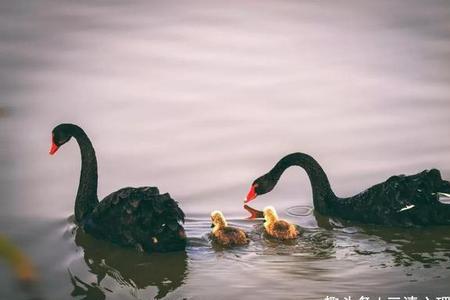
(138,217)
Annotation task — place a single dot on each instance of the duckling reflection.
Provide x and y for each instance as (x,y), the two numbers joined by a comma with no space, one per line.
(165,271)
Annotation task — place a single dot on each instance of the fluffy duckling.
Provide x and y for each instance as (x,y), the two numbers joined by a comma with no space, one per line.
(279,229)
(225,235)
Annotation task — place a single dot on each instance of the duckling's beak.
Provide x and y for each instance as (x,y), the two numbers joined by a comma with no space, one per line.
(212,225)
(251,194)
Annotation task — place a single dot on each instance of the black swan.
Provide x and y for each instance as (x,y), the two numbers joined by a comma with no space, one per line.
(134,217)
(399,201)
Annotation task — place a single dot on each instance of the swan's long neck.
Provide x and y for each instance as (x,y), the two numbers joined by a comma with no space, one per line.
(321,189)
(86,199)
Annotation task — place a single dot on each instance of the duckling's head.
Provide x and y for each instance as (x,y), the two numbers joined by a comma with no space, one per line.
(270,214)
(218,220)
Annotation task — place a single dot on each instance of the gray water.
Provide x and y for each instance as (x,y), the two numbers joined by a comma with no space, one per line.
(201,97)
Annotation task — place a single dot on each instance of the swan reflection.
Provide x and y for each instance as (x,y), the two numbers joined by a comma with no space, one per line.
(164,271)
(407,247)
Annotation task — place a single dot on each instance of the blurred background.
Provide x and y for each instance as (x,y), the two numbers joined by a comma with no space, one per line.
(201,97)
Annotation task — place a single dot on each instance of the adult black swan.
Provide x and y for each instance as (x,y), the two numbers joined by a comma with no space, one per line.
(399,201)
(134,217)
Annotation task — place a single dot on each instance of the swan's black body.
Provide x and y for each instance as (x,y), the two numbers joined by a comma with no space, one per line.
(400,200)
(134,217)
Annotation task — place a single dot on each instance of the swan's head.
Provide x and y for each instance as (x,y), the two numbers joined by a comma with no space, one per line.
(218,220)
(270,214)
(60,135)
(260,186)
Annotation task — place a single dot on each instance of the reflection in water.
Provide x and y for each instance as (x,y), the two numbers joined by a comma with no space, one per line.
(419,247)
(165,271)
(87,291)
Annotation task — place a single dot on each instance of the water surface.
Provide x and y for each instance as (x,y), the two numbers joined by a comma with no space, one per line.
(201,97)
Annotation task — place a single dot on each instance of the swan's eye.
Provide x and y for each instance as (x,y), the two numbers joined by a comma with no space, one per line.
(60,138)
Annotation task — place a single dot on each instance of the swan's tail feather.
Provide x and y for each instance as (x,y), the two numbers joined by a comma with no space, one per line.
(444,198)
(443,195)
(407,207)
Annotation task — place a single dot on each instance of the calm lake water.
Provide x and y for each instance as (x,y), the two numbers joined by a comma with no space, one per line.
(201,97)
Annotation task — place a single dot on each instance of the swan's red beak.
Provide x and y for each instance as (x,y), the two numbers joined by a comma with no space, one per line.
(254,214)
(251,194)
(53,148)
